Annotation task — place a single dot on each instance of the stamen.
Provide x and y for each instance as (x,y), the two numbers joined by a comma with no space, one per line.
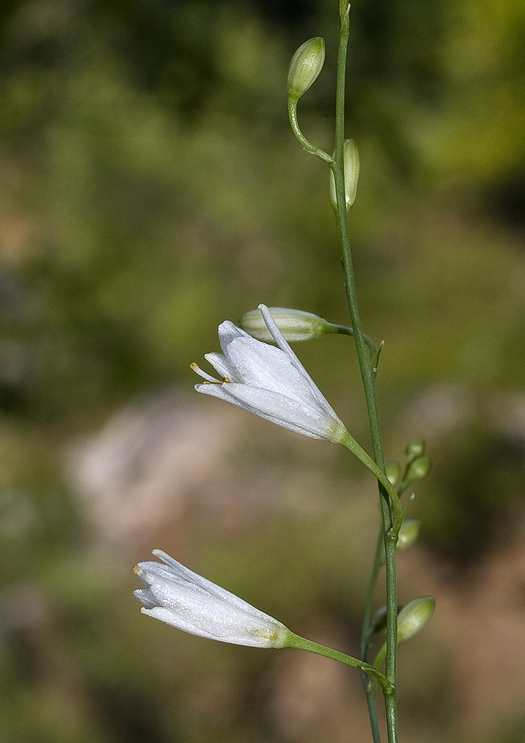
(207,377)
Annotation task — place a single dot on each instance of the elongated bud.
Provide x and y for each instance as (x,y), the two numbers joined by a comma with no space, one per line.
(413,617)
(415,449)
(408,533)
(351,166)
(418,469)
(186,600)
(393,471)
(295,325)
(306,64)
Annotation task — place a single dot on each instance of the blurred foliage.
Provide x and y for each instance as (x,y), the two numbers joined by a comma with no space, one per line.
(150,189)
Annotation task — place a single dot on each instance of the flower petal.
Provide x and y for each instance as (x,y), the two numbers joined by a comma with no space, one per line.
(280,409)
(186,600)
(222,366)
(270,382)
(261,365)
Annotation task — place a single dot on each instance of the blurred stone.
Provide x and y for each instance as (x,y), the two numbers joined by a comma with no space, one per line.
(439,409)
(138,473)
(508,412)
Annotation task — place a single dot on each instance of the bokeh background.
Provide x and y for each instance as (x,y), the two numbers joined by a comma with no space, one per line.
(151,188)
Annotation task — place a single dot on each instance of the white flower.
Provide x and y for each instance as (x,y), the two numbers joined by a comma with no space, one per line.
(188,601)
(270,382)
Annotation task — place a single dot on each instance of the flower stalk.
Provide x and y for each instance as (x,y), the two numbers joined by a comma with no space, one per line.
(390,507)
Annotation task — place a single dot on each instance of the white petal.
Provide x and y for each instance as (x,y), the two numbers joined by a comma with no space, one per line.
(279,338)
(187,576)
(294,360)
(186,600)
(228,332)
(244,632)
(277,408)
(271,382)
(222,366)
(264,366)
(294,414)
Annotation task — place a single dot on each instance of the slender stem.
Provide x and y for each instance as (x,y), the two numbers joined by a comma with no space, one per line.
(351,444)
(345,330)
(301,643)
(308,146)
(368,377)
(370,688)
(378,563)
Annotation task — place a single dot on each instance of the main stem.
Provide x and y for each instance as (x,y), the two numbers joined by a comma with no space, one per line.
(368,377)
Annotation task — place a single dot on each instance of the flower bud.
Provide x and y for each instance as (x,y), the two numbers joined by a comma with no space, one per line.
(418,469)
(413,617)
(415,449)
(393,471)
(351,167)
(295,325)
(306,64)
(186,600)
(408,533)
(378,623)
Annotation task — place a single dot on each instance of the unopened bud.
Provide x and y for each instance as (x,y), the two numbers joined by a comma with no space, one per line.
(378,622)
(306,64)
(295,325)
(393,471)
(418,469)
(413,617)
(415,449)
(351,167)
(408,533)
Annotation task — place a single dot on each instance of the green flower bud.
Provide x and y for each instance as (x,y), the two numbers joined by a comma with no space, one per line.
(295,325)
(418,469)
(351,167)
(378,623)
(415,449)
(408,533)
(413,617)
(306,64)
(393,471)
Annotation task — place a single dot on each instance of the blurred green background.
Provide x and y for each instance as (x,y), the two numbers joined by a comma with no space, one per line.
(151,188)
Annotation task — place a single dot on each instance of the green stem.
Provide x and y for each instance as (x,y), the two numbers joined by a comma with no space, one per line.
(368,377)
(301,643)
(345,330)
(357,450)
(308,146)
(370,688)
(367,617)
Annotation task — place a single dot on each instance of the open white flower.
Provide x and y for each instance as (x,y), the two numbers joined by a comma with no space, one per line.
(270,382)
(188,601)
